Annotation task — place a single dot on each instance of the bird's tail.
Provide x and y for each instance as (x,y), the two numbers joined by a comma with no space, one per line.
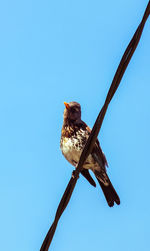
(109,192)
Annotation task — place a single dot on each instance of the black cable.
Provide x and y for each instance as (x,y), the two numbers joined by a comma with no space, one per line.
(96,128)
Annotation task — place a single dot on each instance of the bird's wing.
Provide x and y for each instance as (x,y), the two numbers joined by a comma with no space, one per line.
(97,152)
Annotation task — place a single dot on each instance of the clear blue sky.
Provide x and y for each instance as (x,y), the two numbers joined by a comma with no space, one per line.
(64,50)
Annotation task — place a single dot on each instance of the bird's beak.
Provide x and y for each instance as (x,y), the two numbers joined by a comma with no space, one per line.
(67,105)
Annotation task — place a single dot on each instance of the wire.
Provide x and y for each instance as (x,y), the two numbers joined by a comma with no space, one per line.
(96,128)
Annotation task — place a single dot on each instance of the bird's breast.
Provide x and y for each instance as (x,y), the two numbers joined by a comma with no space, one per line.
(71,149)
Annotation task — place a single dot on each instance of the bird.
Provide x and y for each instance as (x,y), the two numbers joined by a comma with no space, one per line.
(74,135)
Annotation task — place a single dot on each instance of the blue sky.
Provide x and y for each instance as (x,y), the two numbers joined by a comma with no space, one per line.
(56,51)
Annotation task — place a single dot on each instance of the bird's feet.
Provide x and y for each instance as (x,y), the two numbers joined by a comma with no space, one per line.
(74,174)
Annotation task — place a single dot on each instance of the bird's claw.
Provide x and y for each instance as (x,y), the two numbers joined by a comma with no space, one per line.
(73,174)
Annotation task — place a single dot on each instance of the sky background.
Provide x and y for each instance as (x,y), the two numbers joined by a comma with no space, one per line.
(64,50)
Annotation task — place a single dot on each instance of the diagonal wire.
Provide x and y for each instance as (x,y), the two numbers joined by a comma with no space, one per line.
(96,128)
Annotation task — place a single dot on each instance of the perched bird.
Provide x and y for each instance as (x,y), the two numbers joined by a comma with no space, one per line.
(74,135)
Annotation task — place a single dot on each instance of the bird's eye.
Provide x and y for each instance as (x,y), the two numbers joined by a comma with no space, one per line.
(73,110)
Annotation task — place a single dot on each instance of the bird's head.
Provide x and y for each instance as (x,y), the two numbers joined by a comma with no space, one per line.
(72,112)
